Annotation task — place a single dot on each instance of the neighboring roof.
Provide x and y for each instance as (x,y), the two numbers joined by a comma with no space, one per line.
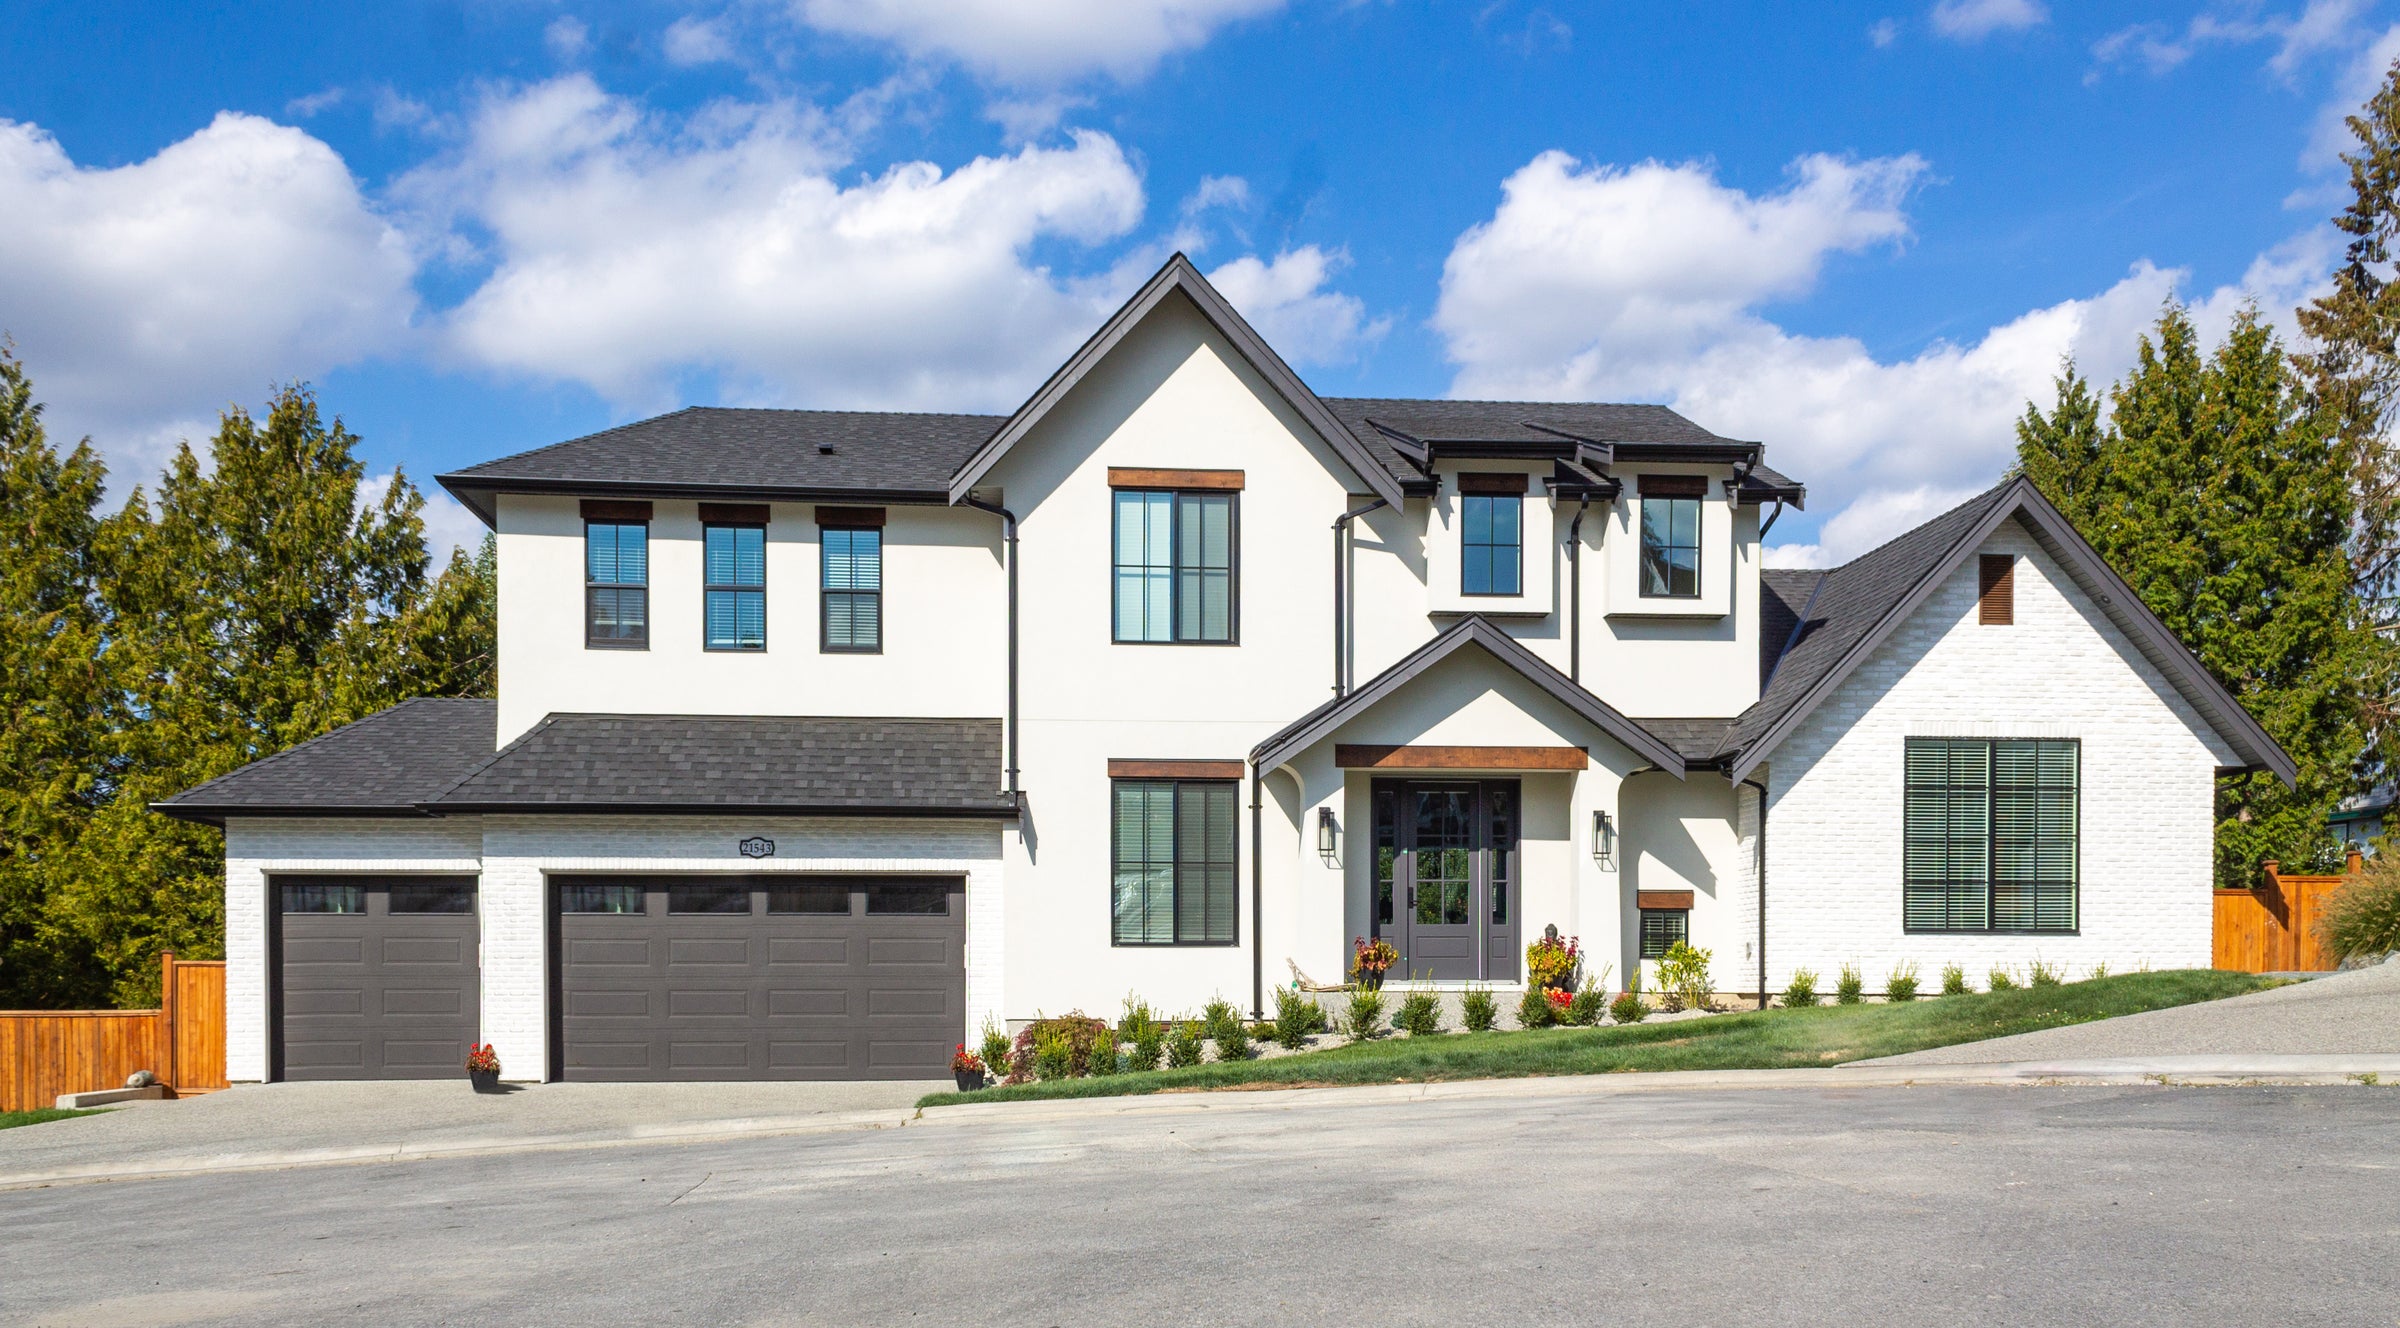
(1178,275)
(1697,740)
(711,451)
(1473,629)
(384,765)
(1783,598)
(1855,607)
(760,764)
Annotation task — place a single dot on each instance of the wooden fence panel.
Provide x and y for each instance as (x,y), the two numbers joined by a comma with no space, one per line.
(44,1053)
(2272,928)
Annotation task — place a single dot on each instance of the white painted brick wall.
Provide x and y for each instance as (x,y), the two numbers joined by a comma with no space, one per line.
(1834,834)
(514,854)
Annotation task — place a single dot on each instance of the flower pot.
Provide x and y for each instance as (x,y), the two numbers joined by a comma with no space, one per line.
(485,1081)
(968,1080)
(1370,979)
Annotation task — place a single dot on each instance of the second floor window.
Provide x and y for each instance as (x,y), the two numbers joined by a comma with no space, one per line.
(734,589)
(1174,566)
(1671,535)
(1492,539)
(616,583)
(853,589)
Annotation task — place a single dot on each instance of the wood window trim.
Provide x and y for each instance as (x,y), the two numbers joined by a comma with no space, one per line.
(1495,483)
(1401,756)
(1996,590)
(610,509)
(1668,899)
(851,518)
(733,514)
(1138,768)
(1673,486)
(1130,477)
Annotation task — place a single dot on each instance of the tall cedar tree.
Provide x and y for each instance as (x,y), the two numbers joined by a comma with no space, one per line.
(259,601)
(56,708)
(2223,496)
(2352,365)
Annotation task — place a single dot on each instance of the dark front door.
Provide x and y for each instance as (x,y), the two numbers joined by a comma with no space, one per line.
(375,976)
(1446,877)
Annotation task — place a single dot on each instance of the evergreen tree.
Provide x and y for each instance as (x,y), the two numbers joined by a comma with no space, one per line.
(2221,492)
(55,704)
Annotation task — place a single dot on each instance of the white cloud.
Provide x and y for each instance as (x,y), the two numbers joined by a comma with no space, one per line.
(1217,191)
(1883,33)
(143,295)
(2331,137)
(1287,302)
(1646,283)
(628,251)
(448,524)
(1974,20)
(1870,521)
(2323,26)
(696,41)
(1035,41)
(568,37)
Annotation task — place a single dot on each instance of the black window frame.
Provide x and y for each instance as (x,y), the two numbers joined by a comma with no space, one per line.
(1670,489)
(827,593)
(709,590)
(1175,568)
(592,589)
(1516,502)
(1179,865)
(1675,920)
(2001,852)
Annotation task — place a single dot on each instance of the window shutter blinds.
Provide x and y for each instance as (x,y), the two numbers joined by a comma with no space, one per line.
(1996,596)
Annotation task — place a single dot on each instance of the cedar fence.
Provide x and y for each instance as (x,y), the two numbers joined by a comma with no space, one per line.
(2272,927)
(44,1053)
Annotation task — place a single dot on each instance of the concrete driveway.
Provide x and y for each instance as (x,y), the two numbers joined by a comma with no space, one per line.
(2347,1014)
(1905,1206)
(294,1124)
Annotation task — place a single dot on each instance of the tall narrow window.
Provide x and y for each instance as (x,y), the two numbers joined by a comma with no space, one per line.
(734,593)
(1492,539)
(616,576)
(1991,835)
(853,590)
(1671,535)
(1174,847)
(1174,566)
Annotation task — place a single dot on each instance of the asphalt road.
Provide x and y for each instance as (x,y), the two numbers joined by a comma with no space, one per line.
(1915,1206)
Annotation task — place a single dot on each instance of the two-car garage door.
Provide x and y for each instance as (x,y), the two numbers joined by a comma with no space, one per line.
(733,977)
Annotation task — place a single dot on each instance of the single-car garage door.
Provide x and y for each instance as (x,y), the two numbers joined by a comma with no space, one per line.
(731,977)
(377,977)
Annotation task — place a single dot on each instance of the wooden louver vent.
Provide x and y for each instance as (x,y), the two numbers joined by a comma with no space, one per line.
(1996,590)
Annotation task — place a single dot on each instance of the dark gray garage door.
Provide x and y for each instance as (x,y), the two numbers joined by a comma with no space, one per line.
(377,978)
(729,977)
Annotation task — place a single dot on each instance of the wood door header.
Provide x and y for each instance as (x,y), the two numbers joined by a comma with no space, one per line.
(1385,756)
(1663,899)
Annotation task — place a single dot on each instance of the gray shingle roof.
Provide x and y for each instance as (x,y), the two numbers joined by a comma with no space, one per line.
(383,765)
(1508,422)
(750,763)
(1696,740)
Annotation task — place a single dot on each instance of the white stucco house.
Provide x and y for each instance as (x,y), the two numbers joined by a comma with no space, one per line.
(821,738)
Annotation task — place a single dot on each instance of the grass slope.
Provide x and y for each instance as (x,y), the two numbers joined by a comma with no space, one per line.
(10,1120)
(1758,1040)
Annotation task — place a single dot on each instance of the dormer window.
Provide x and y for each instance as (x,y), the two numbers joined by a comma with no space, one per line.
(1671,535)
(1492,534)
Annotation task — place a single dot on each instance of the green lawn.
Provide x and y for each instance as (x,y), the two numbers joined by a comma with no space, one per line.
(1758,1040)
(10,1120)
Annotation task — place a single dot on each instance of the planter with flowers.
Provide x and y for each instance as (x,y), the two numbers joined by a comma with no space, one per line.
(1552,964)
(483,1068)
(1370,960)
(967,1068)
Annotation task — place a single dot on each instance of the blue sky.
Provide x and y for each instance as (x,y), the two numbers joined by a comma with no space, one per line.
(1862,233)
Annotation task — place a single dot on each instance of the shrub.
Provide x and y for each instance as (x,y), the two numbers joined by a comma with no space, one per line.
(1420,1015)
(2000,979)
(1954,980)
(2362,918)
(1053,1054)
(2040,974)
(1533,1009)
(1218,1019)
(1295,1013)
(1683,982)
(1628,1008)
(1233,1042)
(1589,1004)
(2099,970)
(1800,989)
(997,1048)
(1478,1011)
(1902,984)
(1184,1047)
(1101,1058)
(1551,962)
(1144,1035)
(1848,987)
(1364,1018)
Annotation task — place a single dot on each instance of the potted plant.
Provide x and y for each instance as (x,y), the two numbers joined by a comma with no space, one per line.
(1370,960)
(967,1068)
(483,1068)
(1551,963)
